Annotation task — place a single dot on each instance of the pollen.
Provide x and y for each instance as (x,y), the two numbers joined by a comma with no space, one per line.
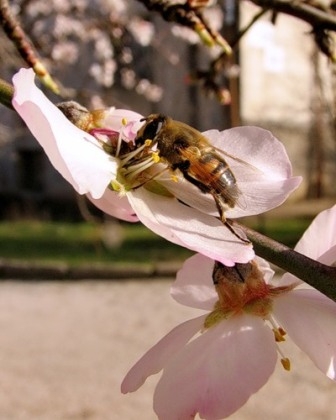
(148,142)
(279,334)
(286,364)
(118,187)
(156,158)
(124,121)
(216,316)
(174,178)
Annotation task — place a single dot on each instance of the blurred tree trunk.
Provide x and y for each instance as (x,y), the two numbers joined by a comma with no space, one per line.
(317,134)
(230,31)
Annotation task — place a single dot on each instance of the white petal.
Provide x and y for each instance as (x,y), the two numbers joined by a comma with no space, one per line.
(309,318)
(193,285)
(216,373)
(159,355)
(111,203)
(74,153)
(320,235)
(266,180)
(115,118)
(189,227)
(256,146)
(258,197)
(265,268)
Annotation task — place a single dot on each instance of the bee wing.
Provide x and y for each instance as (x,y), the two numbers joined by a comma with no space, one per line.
(237,160)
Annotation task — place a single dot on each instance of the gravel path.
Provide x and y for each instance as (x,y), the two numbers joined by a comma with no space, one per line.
(65,347)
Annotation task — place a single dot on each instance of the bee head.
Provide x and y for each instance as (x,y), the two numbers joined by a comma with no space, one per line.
(151,128)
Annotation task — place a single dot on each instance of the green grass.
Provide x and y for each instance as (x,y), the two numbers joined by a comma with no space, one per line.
(82,243)
(78,243)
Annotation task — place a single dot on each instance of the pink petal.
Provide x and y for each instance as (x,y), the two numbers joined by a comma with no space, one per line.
(309,319)
(158,356)
(74,153)
(256,146)
(194,230)
(266,181)
(259,197)
(216,373)
(115,120)
(193,285)
(318,242)
(320,235)
(265,268)
(113,204)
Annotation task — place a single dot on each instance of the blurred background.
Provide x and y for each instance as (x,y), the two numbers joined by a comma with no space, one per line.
(117,53)
(65,346)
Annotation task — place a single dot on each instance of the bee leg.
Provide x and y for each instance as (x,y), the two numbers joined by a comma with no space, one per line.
(227,224)
(225,221)
(183,167)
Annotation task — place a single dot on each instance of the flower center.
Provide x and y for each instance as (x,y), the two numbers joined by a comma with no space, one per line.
(242,289)
(139,165)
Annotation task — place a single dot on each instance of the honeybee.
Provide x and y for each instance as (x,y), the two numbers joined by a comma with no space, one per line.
(186,149)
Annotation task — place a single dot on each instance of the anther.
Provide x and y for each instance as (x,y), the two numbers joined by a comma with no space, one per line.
(286,363)
(156,158)
(279,335)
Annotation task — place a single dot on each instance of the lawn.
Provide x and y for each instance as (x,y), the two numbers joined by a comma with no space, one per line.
(78,243)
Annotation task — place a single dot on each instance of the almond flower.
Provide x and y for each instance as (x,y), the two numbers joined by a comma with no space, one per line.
(212,364)
(99,158)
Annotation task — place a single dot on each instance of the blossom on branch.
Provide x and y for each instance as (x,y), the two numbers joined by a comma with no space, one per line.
(212,364)
(100,158)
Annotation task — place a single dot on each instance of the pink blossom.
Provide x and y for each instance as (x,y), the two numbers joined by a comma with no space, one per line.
(212,364)
(170,206)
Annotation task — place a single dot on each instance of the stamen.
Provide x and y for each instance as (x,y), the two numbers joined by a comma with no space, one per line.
(141,163)
(118,187)
(131,155)
(279,335)
(156,157)
(279,332)
(286,364)
(161,191)
(134,170)
(284,360)
(118,145)
(124,121)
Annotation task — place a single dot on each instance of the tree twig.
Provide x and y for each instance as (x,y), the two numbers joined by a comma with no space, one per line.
(16,34)
(6,94)
(317,275)
(313,15)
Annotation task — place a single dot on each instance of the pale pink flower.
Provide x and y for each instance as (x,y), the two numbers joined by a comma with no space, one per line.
(212,364)
(178,211)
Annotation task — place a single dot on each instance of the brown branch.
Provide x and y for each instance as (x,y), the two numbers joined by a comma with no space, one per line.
(189,15)
(6,94)
(317,275)
(315,16)
(16,34)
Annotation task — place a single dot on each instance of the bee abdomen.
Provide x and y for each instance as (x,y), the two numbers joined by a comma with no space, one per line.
(226,176)
(220,170)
